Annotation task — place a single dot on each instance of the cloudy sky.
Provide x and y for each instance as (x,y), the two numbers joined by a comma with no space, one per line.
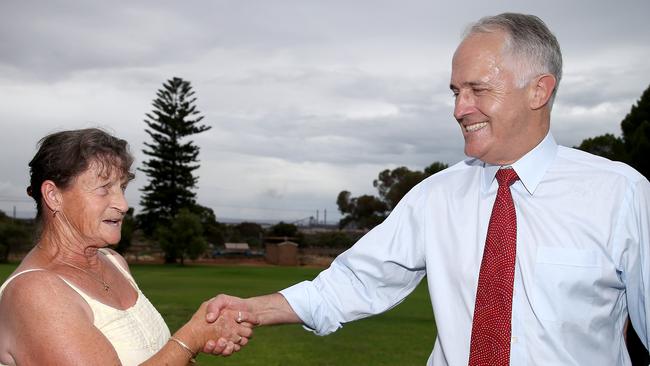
(305,98)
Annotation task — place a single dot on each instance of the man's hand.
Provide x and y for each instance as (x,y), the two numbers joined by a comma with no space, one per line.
(221,302)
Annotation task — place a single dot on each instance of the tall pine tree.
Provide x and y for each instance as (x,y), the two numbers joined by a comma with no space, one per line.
(173,158)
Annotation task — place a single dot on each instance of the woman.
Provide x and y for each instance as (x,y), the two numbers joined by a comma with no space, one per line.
(73,301)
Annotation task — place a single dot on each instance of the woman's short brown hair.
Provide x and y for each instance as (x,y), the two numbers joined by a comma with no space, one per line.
(62,156)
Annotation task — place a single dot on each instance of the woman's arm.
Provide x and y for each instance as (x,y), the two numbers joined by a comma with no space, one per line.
(52,325)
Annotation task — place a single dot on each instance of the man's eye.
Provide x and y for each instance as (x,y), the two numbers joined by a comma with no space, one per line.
(479,91)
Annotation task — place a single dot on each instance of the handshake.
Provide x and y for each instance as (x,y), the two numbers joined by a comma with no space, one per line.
(224,324)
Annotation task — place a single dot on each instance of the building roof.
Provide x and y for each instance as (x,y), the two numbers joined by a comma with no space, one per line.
(288,243)
(237,246)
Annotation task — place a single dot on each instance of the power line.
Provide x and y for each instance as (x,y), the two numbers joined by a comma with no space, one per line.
(14,199)
(264,208)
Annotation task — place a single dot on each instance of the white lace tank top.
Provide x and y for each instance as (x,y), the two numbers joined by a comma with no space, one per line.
(136,333)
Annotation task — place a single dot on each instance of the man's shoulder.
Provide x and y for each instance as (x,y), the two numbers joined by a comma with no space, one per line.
(460,170)
(462,173)
(598,164)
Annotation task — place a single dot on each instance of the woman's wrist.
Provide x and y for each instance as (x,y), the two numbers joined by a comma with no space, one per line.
(185,347)
(189,339)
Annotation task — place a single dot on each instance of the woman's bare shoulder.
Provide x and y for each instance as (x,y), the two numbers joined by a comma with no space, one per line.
(50,322)
(33,288)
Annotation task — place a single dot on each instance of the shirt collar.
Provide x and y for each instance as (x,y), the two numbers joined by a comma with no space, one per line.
(530,168)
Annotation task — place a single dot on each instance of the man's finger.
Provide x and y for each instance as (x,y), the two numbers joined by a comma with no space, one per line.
(211,317)
(215,305)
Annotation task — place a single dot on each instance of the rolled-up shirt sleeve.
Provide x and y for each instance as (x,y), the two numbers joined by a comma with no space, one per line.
(377,273)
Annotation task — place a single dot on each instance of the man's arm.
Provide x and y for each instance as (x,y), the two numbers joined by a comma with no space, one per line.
(270,309)
(636,229)
(377,273)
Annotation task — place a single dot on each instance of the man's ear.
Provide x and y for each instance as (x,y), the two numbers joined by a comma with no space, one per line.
(51,195)
(541,89)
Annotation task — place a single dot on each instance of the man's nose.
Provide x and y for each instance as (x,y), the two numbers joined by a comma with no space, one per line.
(464,105)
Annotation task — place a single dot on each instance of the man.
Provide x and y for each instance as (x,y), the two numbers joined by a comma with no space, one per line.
(534,253)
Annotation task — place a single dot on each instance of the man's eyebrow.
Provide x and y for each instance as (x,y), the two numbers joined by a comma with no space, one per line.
(471,84)
(477,83)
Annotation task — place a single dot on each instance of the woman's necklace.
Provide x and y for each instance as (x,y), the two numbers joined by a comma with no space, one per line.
(92,275)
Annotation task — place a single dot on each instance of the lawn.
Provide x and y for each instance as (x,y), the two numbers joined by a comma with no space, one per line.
(401,336)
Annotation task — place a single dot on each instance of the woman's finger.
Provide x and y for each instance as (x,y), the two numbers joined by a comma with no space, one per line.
(230,347)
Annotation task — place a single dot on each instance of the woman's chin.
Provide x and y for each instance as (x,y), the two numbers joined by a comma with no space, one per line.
(113,241)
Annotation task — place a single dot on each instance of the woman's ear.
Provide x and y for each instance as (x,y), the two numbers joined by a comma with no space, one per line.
(541,90)
(51,195)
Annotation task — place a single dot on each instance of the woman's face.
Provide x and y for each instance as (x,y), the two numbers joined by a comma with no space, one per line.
(94,205)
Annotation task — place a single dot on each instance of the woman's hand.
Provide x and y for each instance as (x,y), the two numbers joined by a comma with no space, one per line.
(229,329)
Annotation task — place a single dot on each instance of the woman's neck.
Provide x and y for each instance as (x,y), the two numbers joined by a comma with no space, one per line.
(63,246)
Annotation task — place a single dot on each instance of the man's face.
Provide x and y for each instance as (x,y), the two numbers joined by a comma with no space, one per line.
(491,111)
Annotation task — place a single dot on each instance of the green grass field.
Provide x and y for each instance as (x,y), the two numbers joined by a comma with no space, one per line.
(401,336)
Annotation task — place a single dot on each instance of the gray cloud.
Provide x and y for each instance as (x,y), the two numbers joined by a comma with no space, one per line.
(305,98)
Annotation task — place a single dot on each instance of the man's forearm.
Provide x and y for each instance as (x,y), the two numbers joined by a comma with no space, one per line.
(273,309)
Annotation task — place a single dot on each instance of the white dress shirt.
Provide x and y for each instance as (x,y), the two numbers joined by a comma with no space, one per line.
(582,259)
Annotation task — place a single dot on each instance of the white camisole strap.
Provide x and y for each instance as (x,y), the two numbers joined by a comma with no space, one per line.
(2,288)
(119,266)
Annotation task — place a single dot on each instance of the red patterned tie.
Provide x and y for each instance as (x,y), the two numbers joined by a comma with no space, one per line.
(491,328)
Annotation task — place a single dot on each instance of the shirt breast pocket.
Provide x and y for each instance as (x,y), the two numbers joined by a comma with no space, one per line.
(565,283)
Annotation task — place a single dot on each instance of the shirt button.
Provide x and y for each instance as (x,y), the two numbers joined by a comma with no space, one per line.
(513,339)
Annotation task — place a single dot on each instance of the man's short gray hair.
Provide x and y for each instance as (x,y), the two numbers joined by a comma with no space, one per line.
(529,42)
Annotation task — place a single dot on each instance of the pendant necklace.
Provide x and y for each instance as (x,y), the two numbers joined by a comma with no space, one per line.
(92,275)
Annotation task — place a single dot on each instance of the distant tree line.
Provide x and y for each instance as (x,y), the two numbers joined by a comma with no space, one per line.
(633,146)
(367,211)
(14,234)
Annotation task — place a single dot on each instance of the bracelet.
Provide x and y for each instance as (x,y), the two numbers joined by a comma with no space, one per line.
(184,347)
